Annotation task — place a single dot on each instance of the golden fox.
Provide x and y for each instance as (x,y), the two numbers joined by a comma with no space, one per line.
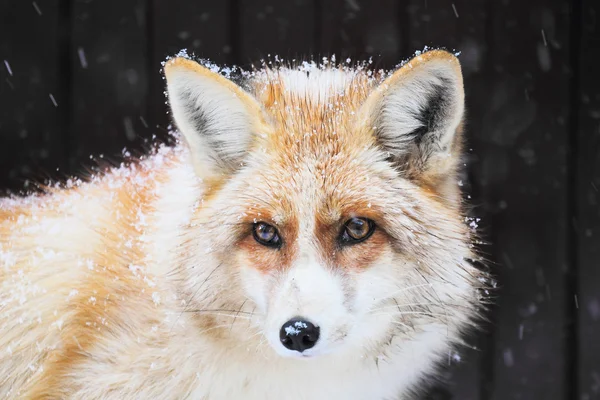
(303,239)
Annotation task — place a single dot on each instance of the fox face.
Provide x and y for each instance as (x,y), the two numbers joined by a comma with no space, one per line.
(331,217)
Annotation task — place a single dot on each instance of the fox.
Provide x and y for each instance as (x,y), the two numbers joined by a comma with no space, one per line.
(304,237)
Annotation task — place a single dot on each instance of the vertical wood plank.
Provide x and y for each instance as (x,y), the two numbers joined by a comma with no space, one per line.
(203,28)
(32,126)
(461,26)
(586,176)
(109,77)
(525,176)
(362,29)
(285,29)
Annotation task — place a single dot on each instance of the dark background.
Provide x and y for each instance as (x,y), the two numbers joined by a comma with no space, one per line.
(81,77)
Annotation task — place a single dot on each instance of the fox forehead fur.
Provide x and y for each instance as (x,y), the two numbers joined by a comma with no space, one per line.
(149,281)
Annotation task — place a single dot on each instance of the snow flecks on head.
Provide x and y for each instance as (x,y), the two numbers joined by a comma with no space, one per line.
(275,65)
(346,66)
(183,53)
(226,71)
(425,50)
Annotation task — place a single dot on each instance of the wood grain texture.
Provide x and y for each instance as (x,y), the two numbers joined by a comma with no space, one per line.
(33,95)
(203,28)
(524,170)
(585,154)
(109,77)
(277,28)
(362,29)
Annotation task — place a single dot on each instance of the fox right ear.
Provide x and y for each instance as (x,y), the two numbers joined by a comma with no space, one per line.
(417,113)
(216,117)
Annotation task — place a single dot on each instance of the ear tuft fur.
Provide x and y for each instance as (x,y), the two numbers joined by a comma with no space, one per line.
(417,112)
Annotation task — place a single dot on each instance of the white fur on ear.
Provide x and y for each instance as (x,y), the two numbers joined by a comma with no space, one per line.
(216,117)
(418,110)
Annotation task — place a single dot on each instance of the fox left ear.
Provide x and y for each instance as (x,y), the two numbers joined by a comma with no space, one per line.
(217,118)
(416,114)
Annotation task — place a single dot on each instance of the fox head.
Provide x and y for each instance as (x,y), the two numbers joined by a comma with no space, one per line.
(331,217)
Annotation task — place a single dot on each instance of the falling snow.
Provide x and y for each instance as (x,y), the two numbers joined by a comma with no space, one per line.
(37,8)
(509,360)
(7,65)
(82,58)
(454,9)
(53,100)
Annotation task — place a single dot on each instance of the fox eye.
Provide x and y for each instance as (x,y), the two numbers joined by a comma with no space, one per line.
(357,230)
(266,234)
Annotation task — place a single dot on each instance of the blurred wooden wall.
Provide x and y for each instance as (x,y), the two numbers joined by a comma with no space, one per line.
(81,77)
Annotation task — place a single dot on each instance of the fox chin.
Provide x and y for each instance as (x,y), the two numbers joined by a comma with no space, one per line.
(303,238)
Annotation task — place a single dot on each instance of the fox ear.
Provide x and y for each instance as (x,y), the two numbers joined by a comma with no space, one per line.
(216,117)
(416,114)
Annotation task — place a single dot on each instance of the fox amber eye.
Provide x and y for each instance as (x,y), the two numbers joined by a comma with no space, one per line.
(356,230)
(266,234)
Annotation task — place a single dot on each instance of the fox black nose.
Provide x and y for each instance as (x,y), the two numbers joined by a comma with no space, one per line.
(299,334)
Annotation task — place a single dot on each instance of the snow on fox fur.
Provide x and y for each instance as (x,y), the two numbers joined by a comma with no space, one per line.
(303,239)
